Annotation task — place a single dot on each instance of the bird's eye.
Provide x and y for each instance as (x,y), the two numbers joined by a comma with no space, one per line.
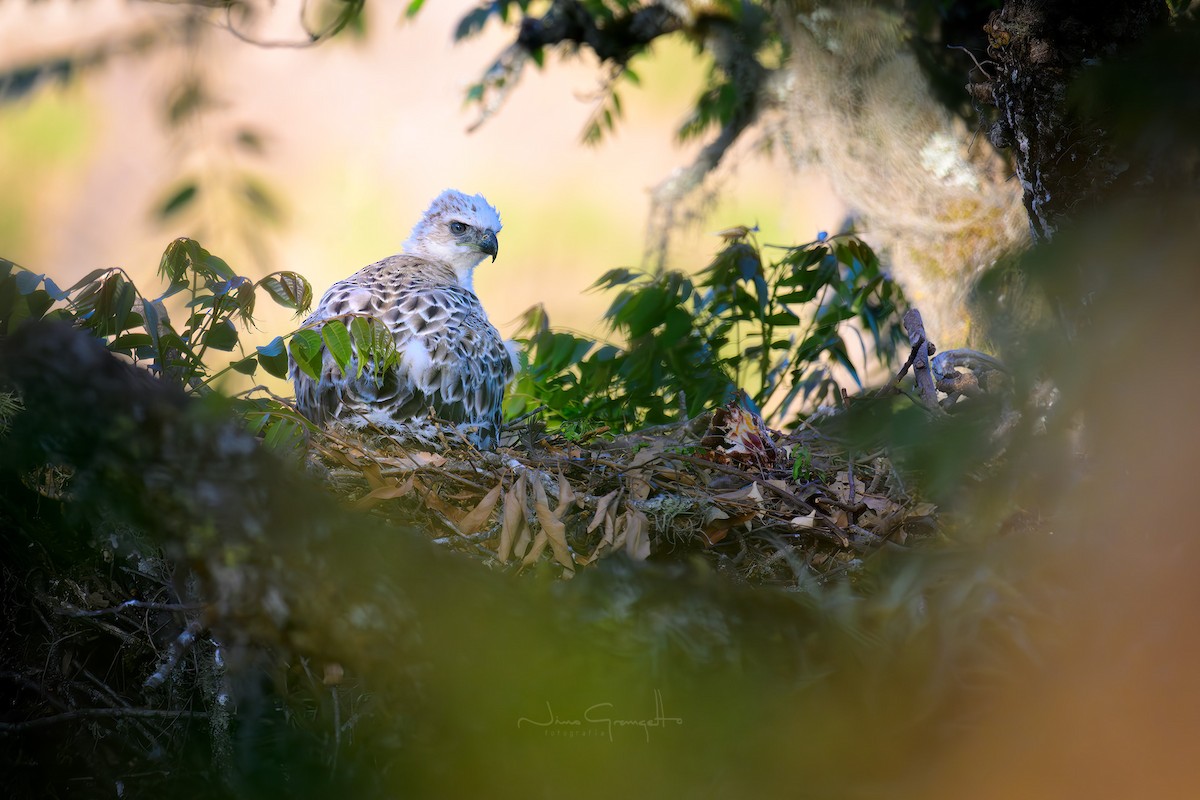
(457,228)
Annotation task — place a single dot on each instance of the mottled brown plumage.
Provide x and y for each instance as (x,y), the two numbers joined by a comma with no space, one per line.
(451,358)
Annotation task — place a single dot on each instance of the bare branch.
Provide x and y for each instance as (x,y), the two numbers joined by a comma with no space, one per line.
(68,611)
(91,713)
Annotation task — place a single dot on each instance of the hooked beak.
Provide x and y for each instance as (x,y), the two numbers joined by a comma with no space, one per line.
(488,243)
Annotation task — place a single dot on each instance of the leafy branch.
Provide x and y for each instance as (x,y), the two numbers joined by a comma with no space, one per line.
(773,329)
(219,305)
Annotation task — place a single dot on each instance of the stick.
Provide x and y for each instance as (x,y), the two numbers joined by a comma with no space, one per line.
(915,328)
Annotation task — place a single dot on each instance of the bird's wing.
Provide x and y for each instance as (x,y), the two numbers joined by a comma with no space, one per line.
(452,353)
(451,358)
(331,395)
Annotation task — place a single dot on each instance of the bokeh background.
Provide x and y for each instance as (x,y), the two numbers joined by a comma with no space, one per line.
(345,143)
(342,146)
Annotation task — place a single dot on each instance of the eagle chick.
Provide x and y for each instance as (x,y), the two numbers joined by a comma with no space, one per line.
(451,358)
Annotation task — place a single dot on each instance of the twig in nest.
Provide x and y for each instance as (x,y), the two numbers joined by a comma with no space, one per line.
(511,425)
(88,713)
(68,611)
(835,534)
(183,643)
(914,326)
(481,536)
(894,386)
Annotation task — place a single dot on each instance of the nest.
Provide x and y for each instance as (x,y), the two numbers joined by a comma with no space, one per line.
(763,506)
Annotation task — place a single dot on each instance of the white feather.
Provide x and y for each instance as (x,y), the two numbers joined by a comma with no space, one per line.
(416,359)
(514,356)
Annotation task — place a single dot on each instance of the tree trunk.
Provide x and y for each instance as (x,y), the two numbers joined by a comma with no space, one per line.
(1066,163)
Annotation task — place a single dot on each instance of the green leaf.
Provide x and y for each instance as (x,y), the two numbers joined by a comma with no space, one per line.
(337,340)
(364,341)
(174,262)
(306,350)
(178,200)
(188,98)
(763,292)
(700,344)
(284,435)
(352,13)
(17,306)
(804,257)
(246,298)
(838,351)
(39,303)
(748,261)
(783,318)
(413,8)
(247,366)
(289,289)
(131,341)
(222,336)
(375,345)
(260,200)
(616,277)
(473,22)
(104,306)
(249,140)
(218,267)
(273,357)
(27,281)
(678,325)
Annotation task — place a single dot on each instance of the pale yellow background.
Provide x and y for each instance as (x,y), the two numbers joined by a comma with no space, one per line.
(359,137)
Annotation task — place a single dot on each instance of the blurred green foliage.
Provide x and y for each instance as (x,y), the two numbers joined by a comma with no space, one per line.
(737,43)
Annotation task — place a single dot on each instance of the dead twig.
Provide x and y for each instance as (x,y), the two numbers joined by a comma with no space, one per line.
(68,611)
(92,713)
(914,326)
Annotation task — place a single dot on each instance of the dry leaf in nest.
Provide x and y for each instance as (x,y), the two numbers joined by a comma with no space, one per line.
(922,510)
(718,523)
(745,504)
(406,462)
(736,434)
(513,524)
(566,497)
(637,535)
(639,487)
(554,529)
(433,500)
(603,513)
(840,488)
(747,494)
(536,547)
(388,491)
(606,515)
(878,503)
(807,521)
(480,514)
